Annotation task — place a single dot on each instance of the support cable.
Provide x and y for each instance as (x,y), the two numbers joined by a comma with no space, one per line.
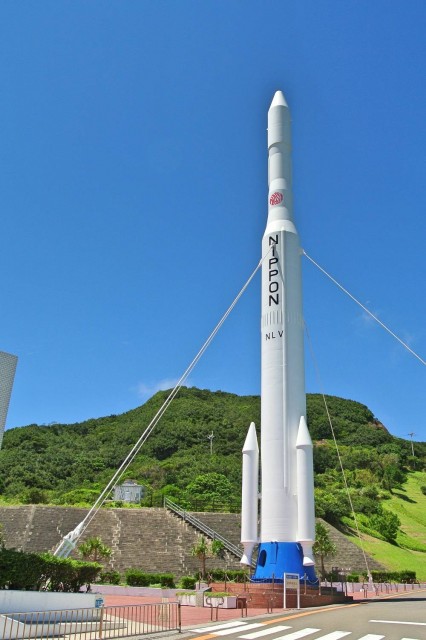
(69,541)
(319,381)
(382,324)
(394,335)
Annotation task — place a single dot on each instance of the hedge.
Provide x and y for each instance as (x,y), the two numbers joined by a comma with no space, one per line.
(139,578)
(32,571)
(109,577)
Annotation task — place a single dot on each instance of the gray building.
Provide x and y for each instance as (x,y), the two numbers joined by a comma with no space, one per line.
(129,491)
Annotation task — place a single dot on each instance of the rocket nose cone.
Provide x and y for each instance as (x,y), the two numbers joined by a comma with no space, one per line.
(278,100)
(250,443)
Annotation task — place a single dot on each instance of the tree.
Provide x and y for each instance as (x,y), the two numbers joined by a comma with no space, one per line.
(94,550)
(323,546)
(331,505)
(386,523)
(200,550)
(204,549)
(210,489)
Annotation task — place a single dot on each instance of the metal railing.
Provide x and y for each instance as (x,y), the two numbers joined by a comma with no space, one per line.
(91,624)
(203,527)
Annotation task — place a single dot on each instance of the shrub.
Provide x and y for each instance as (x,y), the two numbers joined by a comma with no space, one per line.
(352,577)
(188,582)
(137,578)
(386,523)
(30,571)
(407,576)
(33,495)
(167,580)
(237,575)
(394,576)
(109,577)
(332,576)
(423,489)
(218,575)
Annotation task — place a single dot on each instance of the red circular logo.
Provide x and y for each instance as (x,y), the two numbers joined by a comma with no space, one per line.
(276,198)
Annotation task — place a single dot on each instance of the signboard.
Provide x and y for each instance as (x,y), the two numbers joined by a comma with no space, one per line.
(292,582)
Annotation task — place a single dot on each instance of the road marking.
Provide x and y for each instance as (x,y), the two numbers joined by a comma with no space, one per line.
(409,639)
(335,635)
(215,627)
(264,632)
(421,624)
(298,634)
(371,636)
(241,628)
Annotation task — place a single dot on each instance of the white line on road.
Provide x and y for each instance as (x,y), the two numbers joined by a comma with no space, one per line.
(227,632)
(334,635)
(264,632)
(422,624)
(371,636)
(215,627)
(298,634)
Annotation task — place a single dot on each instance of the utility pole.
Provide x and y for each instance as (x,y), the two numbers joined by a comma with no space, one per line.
(210,437)
(412,444)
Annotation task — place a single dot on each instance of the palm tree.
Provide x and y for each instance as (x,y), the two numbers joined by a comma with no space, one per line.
(204,549)
(94,550)
(201,550)
(323,546)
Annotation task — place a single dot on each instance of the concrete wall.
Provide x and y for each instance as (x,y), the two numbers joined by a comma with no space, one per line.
(25,601)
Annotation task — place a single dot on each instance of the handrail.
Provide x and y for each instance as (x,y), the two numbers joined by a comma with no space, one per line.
(202,526)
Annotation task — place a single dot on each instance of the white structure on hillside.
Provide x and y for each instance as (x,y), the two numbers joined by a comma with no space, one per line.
(129,491)
(7,375)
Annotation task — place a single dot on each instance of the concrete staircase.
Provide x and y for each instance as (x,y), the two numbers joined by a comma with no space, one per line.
(151,539)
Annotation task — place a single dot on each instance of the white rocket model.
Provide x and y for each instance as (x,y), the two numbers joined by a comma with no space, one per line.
(249,511)
(7,375)
(287,506)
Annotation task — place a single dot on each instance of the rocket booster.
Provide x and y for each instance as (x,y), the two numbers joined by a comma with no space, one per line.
(287,513)
(250,494)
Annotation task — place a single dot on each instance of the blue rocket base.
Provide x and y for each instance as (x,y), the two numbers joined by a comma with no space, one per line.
(276,558)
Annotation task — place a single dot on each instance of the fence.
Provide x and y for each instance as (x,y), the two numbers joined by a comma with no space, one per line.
(91,624)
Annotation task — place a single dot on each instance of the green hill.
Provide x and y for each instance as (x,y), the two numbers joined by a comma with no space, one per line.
(70,464)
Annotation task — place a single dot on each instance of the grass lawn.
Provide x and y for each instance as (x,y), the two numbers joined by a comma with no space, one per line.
(410,506)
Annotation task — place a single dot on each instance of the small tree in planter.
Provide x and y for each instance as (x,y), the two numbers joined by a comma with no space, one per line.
(204,549)
(323,546)
(201,550)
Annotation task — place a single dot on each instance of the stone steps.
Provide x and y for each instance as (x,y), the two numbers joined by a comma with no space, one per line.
(151,539)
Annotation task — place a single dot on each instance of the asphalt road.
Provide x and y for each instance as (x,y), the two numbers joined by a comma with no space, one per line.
(396,618)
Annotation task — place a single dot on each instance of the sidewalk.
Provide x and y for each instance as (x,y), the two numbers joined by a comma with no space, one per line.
(191,616)
(199,616)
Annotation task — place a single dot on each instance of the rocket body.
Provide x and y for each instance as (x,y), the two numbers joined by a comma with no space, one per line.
(287,507)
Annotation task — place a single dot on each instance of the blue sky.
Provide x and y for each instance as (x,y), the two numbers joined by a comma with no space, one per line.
(133,190)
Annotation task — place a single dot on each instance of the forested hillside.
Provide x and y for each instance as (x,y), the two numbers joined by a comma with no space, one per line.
(69,464)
